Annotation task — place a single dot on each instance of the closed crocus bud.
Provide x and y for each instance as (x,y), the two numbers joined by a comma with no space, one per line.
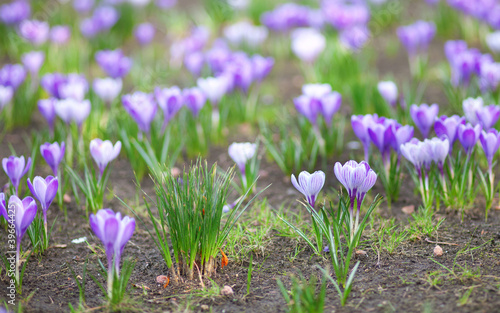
(142,108)
(71,110)
(114,232)
(262,66)
(416,37)
(75,87)
(490,141)
(309,185)
(381,133)
(36,32)
(413,151)
(488,116)
(439,150)
(424,117)
(144,33)
(214,88)
(360,124)
(330,104)
(468,136)
(104,152)
(48,111)
(493,41)
(15,12)
(194,99)
(448,126)
(44,190)
(60,34)
(16,168)
(105,17)
(389,91)
(6,94)
(107,88)
(402,134)
(53,153)
(113,62)
(33,61)
(170,100)
(307,44)
(470,107)
(241,153)
(194,62)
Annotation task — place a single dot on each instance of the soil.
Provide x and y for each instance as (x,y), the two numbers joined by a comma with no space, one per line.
(398,282)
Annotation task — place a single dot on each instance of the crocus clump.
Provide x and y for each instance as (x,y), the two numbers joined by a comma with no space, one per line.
(16,168)
(104,152)
(114,232)
(448,126)
(71,110)
(53,154)
(309,185)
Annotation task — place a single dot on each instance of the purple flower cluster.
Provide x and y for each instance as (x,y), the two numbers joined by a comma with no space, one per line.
(102,20)
(484,10)
(423,153)
(34,31)
(424,117)
(416,37)
(290,15)
(477,113)
(114,63)
(12,75)
(62,86)
(316,100)
(15,12)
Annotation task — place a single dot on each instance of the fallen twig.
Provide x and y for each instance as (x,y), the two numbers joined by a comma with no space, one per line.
(441,243)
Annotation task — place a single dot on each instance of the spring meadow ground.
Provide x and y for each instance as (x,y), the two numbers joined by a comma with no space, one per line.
(401,267)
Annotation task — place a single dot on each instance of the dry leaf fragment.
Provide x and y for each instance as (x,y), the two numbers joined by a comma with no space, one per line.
(438,251)
(409,209)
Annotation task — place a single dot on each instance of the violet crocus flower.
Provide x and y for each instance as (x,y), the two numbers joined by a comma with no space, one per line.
(402,134)
(448,126)
(107,88)
(468,136)
(194,62)
(493,41)
(344,15)
(24,214)
(33,61)
(471,106)
(194,99)
(355,38)
(114,232)
(71,110)
(262,66)
(75,87)
(381,133)
(416,37)
(439,149)
(34,31)
(424,117)
(452,48)
(318,99)
(104,152)
(389,91)
(15,12)
(142,108)
(3,207)
(490,141)
(50,83)
(53,154)
(307,44)
(309,185)
(241,153)
(12,75)
(245,33)
(6,94)
(60,34)
(114,62)
(170,100)
(16,168)
(214,88)
(415,154)
(44,190)
(144,33)
(83,6)
(89,28)
(105,17)
(48,111)
(360,124)
(488,116)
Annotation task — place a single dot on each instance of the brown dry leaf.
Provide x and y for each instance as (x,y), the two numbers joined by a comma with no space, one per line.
(438,251)
(361,252)
(62,246)
(409,209)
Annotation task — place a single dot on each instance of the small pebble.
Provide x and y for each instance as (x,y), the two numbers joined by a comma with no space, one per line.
(66,198)
(162,279)
(409,209)
(226,291)
(438,251)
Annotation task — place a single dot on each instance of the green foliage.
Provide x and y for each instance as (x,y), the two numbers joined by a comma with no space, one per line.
(303,297)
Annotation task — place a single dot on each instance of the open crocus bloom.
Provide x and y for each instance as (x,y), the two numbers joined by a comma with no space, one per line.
(309,185)
(104,152)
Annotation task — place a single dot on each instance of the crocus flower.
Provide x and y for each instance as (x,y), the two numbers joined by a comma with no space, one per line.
(355,38)
(344,15)
(89,27)
(454,47)
(15,12)
(261,66)
(6,94)
(144,33)
(468,136)
(36,32)
(105,17)
(287,16)
(424,117)
(24,214)
(107,88)
(53,153)
(488,116)
(113,62)
(3,207)
(241,153)
(104,152)
(389,91)
(318,99)
(60,34)
(214,88)
(12,75)
(83,6)
(493,41)
(114,232)
(416,37)
(471,106)
(71,110)
(490,141)
(194,99)
(307,44)
(245,33)
(170,101)
(33,61)
(439,149)
(142,108)
(402,134)
(381,133)
(75,86)
(16,168)
(48,111)
(448,126)
(414,153)
(360,124)
(194,62)
(309,185)
(44,190)
(50,83)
